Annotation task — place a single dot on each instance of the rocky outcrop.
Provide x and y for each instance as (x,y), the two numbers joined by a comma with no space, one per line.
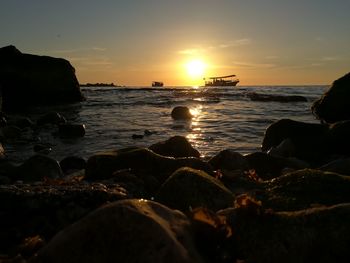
(28,80)
(125,231)
(333,106)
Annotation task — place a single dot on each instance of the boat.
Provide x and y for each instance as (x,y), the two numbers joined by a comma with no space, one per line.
(157,84)
(229,80)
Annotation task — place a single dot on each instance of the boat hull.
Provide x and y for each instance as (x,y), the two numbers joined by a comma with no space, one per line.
(226,84)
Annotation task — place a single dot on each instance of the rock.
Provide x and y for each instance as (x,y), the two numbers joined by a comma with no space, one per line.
(188,188)
(28,80)
(38,167)
(181,113)
(125,231)
(306,138)
(140,160)
(148,132)
(72,163)
(266,166)
(10,132)
(7,169)
(278,98)
(306,188)
(312,235)
(176,146)
(137,136)
(229,160)
(333,106)
(71,130)
(44,209)
(337,139)
(51,118)
(340,166)
(285,149)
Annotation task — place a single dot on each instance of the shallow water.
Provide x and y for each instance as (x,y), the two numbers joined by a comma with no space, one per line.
(223,118)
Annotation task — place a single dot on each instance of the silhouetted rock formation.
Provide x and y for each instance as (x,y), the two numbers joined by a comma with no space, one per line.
(333,106)
(28,80)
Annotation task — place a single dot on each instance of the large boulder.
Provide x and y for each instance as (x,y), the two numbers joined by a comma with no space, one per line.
(125,231)
(333,106)
(29,80)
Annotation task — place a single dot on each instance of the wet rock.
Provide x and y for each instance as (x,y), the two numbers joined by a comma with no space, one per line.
(71,130)
(278,98)
(340,166)
(306,188)
(51,118)
(29,80)
(337,139)
(44,209)
(333,106)
(188,188)
(229,160)
(176,146)
(125,231)
(38,167)
(137,136)
(148,132)
(10,132)
(285,149)
(140,160)
(306,138)
(266,166)
(72,163)
(7,169)
(181,113)
(312,235)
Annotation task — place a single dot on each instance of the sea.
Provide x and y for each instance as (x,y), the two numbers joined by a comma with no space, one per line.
(120,117)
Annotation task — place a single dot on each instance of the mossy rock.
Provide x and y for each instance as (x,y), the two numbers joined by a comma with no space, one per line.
(188,188)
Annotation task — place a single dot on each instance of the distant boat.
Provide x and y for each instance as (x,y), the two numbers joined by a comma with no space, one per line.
(229,80)
(157,84)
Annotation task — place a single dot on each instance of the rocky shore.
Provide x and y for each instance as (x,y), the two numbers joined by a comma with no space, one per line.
(290,202)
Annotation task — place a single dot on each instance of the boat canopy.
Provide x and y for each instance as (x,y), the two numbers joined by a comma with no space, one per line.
(223,77)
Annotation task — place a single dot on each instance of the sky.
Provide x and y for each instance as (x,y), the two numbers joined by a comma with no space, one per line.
(134,42)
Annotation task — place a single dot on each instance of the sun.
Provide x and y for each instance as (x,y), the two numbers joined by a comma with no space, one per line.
(195,68)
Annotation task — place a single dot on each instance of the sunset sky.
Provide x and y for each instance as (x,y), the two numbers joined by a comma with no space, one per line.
(133,42)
